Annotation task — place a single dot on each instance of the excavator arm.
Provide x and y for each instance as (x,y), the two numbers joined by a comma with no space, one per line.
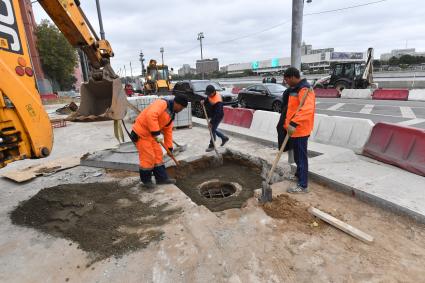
(25,128)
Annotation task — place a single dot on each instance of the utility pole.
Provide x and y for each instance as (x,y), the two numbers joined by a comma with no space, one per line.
(125,75)
(297,31)
(131,72)
(99,15)
(200,37)
(142,60)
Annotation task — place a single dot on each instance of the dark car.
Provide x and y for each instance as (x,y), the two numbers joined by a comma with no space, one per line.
(262,96)
(194,90)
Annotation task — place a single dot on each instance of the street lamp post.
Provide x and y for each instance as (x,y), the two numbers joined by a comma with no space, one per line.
(142,61)
(200,37)
(162,54)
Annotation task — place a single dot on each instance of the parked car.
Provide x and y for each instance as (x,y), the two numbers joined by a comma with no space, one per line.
(194,90)
(262,96)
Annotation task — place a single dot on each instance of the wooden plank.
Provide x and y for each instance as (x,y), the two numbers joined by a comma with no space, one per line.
(42,169)
(356,233)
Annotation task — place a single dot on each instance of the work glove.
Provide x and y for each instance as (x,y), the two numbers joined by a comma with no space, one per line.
(158,139)
(202,102)
(171,151)
(291,130)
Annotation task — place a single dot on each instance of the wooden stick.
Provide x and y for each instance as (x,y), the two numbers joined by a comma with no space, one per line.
(209,127)
(356,233)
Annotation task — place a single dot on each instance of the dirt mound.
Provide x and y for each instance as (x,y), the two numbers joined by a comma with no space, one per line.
(103,218)
(291,210)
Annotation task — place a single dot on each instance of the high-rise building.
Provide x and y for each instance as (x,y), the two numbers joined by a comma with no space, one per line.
(207,66)
(186,70)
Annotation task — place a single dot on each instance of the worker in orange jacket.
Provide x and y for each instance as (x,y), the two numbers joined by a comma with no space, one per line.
(299,124)
(157,118)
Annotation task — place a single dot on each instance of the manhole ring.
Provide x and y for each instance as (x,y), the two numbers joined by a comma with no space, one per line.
(215,189)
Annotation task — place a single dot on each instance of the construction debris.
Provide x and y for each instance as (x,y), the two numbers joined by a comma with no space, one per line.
(356,233)
(43,169)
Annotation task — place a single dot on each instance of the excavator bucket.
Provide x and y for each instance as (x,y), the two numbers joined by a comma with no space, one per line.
(101,100)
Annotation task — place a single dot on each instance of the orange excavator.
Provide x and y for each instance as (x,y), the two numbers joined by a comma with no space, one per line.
(25,128)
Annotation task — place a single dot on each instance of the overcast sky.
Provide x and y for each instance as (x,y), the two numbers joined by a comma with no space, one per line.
(134,25)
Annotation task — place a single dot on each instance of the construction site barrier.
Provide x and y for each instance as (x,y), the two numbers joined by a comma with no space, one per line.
(240,117)
(351,133)
(417,94)
(327,93)
(398,145)
(265,122)
(49,96)
(391,94)
(357,93)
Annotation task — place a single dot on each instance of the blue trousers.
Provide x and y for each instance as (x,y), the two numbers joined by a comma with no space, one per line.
(215,131)
(159,172)
(301,159)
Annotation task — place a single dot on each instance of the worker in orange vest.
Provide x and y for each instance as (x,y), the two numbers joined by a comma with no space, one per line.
(214,105)
(157,118)
(299,124)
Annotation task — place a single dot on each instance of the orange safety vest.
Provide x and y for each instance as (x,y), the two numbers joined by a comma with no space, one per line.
(156,118)
(216,98)
(304,118)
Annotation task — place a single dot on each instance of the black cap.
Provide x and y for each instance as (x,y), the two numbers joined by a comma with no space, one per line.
(292,72)
(182,100)
(210,90)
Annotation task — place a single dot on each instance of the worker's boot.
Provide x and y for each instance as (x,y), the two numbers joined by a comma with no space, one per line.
(210,148)
(146,179)
(161,176)
(298,190)
(224,141)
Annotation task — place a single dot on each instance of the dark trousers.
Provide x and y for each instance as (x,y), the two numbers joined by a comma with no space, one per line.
(158,171)
(215,131)
(301,159)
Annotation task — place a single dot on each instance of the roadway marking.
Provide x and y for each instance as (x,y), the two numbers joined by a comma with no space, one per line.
(367,109)
(407,112)
(336,106)
(411,122)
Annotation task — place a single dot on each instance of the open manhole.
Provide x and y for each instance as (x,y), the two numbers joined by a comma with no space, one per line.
(220,187)
(216,189)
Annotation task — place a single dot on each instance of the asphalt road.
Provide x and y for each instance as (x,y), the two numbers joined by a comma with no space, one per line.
(408,113)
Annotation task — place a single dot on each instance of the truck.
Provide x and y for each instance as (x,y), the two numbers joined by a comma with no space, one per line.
(158,79)
(349,75)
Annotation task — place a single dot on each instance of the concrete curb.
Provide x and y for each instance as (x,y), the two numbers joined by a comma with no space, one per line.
(417,95)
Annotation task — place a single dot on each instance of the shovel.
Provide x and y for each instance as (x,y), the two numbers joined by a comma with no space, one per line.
(219,158)
(170,154)
(266,190)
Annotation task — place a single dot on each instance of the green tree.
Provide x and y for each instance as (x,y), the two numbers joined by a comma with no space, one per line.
(58,57)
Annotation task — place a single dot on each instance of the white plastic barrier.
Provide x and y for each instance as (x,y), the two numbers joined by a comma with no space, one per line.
(357,93)
(417,94)
(265,122)
(346,132)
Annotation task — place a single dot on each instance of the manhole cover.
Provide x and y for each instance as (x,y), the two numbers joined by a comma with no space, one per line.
(216,189)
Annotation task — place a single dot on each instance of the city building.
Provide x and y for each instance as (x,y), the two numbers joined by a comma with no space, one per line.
(400,52)
(207,66)
(186,70)
(313,60)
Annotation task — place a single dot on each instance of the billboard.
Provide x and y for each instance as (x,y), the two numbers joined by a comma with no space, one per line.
(346,55)
(255,65)
(275,62)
